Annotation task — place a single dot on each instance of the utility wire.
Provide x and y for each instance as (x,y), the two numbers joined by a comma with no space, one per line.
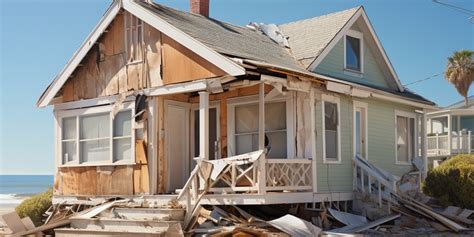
(424,79)
(459,9)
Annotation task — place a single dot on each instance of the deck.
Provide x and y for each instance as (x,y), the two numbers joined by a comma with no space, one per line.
(450,144)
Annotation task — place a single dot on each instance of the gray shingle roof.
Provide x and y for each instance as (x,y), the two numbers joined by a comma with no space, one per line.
(225,38)
(309,37)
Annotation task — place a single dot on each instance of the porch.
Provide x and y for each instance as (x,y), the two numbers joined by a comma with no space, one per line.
(450,132)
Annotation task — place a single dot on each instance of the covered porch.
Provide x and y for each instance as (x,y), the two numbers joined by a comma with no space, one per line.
(450,132)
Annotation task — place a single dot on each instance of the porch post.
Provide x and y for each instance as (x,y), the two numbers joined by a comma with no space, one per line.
(424,144)
(449,135)
(204,125)
(261,138)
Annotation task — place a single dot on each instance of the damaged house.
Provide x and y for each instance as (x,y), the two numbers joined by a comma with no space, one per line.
(161,104)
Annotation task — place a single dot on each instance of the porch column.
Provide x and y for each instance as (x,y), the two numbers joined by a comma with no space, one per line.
(424,143)
(204,125)
(261,138)
(449,135)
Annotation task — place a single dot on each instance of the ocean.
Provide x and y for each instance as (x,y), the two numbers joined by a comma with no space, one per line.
(15,188)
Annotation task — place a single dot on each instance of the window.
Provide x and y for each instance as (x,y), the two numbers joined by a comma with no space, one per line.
(331,131)
(133,38)
(353,51)
(405,138)
(246,129)
(96,138)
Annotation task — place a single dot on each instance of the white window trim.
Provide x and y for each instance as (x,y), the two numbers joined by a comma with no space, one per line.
(335,100)
(360,36)
(408,115)
(60,114)
(365,106)
(212,105)
(290,124)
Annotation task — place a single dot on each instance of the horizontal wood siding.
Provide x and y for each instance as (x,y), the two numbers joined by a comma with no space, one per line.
(381,129)
(333,65)
(335,177)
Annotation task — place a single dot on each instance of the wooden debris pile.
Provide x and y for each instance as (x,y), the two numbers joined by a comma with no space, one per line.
(234,221)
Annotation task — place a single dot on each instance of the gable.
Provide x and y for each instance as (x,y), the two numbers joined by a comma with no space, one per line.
(376,69)
(105,69)
(53,93)
(373,72)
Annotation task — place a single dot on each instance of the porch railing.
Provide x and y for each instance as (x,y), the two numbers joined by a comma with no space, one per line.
(288,174)
(438,145)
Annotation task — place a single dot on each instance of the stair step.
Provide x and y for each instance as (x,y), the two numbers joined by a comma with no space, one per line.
(116,224)
(166,214)
(70,232)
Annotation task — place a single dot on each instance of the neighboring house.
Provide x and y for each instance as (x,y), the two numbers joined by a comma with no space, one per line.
(451,130)
(153,87)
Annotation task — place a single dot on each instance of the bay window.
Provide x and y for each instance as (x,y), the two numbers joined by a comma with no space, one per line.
(96,137)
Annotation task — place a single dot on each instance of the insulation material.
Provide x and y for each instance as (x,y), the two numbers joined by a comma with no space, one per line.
(272,31)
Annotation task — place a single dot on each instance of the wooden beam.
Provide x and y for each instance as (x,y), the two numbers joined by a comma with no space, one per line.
(204,125)
(261,139)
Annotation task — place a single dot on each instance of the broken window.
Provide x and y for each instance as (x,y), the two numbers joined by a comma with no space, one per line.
(96,138)
(133,38)
(246,129)
(405,139)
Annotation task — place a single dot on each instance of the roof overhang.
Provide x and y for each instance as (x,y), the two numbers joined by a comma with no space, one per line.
(451,112)
(359,13)
(219,60)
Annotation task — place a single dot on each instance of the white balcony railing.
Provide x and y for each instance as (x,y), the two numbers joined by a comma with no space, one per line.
(438,145)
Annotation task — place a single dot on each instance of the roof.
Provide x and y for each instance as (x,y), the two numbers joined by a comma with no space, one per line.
(225,38)
(308,38)
(461,104)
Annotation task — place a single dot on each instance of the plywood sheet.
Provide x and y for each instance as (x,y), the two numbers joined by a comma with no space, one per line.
(87,181)
(122,181)
(181,64)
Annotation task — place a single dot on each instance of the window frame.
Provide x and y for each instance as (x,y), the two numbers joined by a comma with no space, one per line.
(247,100)
(78,113)
(360,36)
(194,108)
(335,100)
(129,33)
(413,143)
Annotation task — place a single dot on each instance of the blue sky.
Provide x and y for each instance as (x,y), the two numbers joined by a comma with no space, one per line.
(37,38)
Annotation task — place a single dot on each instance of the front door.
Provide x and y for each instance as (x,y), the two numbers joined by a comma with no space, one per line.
(176,143)
(360,131)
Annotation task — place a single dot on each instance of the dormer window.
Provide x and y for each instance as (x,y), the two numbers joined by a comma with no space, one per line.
(353,46)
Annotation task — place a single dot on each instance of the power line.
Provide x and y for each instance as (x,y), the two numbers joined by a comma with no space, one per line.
(458,9)
(424,79)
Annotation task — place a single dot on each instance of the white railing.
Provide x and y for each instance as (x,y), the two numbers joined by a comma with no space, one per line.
(438,145)
(288,174)
(369,179)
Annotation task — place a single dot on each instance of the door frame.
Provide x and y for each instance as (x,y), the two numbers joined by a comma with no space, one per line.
(365,106)
(187,162)
(195,107)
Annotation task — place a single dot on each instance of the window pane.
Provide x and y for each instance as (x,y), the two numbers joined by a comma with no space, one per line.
(331,126)
(97,150)
(122,149)
(123,124)
(402,139)
(246,143)
(69,128)
(352,53)
(275,116)
(68,151)
(277,144)
(246,118)
(95,126)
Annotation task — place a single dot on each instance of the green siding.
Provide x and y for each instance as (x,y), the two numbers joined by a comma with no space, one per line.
(333,65)
(335,177)
(381,143)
